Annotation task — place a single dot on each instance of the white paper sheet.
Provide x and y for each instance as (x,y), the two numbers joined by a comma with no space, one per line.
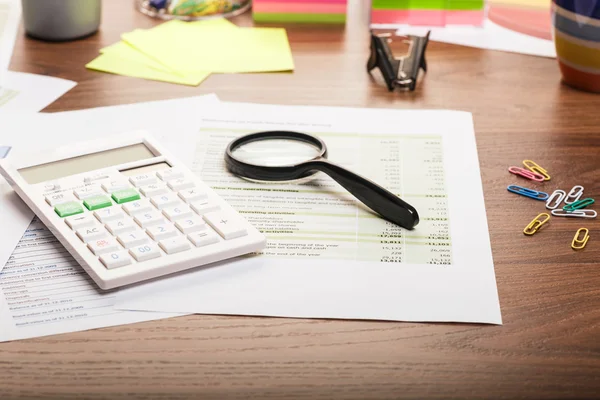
(45,292)
(10,15)
(164,119)
(324,251)
(490,36)
(30,92)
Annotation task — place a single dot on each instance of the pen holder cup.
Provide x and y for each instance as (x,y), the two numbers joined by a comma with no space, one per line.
(192,10)
(576,32)
(59,20)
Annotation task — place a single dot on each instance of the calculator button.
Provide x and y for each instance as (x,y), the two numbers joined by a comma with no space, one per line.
(145,252)
(191,224)
(125,196)
(228,226)
(115,259)
(91,233)
(97,202)
(189,195)
(170,174)
(154,190)
(175,245)
(89,191)
(177,212)
(203,238)
(162,231)
(79,221)
(180,184)
(59,198)
(109,214)
(120,226)
(111,185)
(137,207)
(165,200)
(204,206)
(143,180)
(68,209)
(131,239)
(101,246)
(148,218)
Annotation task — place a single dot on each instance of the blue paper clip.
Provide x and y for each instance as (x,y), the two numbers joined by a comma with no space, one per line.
(533,194)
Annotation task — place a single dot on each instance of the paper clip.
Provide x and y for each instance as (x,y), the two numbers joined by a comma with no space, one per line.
(579,204)
(534,167)
(534,176)
(575,213)
(536,224)
(533,194)
(574,194)
(555,199)
(578,244)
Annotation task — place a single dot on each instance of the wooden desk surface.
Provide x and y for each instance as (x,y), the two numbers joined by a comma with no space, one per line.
(549,345)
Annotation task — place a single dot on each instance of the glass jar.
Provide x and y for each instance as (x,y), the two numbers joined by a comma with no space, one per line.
(192,10)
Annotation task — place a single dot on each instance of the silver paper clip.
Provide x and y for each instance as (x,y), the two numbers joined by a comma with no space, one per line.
(555,199)
(575,213)
(574,194)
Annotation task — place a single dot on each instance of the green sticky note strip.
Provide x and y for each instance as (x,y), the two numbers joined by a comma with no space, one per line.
(68,209)
(187,47)
(125,195)
(428,4)
(97,202)
(300,17)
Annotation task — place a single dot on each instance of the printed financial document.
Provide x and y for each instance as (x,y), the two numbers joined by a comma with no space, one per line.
(320,219)
(43,291)
(327,255)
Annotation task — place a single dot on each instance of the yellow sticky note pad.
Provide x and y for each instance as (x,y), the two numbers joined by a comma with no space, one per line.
(128,67)
(198,46)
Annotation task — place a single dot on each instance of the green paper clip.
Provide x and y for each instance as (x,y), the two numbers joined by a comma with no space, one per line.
(579,204)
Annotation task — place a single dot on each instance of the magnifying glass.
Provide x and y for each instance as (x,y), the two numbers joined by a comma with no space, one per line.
(280,156)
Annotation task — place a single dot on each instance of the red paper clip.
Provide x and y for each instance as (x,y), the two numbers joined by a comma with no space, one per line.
(534,176)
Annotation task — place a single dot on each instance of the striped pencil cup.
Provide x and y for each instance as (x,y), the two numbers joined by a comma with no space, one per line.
(576,31)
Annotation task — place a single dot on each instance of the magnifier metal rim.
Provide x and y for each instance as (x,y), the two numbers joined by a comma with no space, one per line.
(271,173)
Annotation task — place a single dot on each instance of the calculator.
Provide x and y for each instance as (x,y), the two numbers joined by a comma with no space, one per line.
(129,211)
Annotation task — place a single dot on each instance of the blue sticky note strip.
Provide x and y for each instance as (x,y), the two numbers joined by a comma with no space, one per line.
(4,150)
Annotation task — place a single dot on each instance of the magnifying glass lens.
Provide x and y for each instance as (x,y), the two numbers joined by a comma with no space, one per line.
(275,152)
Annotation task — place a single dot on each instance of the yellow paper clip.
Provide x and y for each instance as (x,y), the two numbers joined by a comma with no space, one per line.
(578,244)
(534,167)
(536,224)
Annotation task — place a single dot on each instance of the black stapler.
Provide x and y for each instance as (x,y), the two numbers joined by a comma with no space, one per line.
(398,72)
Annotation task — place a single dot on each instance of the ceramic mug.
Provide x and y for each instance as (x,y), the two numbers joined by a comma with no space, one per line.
(576,32)
(61,19)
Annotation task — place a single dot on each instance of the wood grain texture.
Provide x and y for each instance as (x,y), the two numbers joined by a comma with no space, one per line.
(549,345)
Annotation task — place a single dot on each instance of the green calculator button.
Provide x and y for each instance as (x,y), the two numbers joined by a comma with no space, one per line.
(125,195)
(68,209)
(97,202)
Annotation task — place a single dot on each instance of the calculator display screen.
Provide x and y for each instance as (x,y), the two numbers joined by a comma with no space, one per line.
(85,163)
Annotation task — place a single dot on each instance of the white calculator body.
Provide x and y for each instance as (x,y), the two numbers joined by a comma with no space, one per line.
(128,211)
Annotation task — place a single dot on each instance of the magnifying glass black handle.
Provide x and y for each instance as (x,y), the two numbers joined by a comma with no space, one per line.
(378,199)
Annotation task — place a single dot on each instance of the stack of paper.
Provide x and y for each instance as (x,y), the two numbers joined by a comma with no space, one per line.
(188,52)
(319,11)
(428,12)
